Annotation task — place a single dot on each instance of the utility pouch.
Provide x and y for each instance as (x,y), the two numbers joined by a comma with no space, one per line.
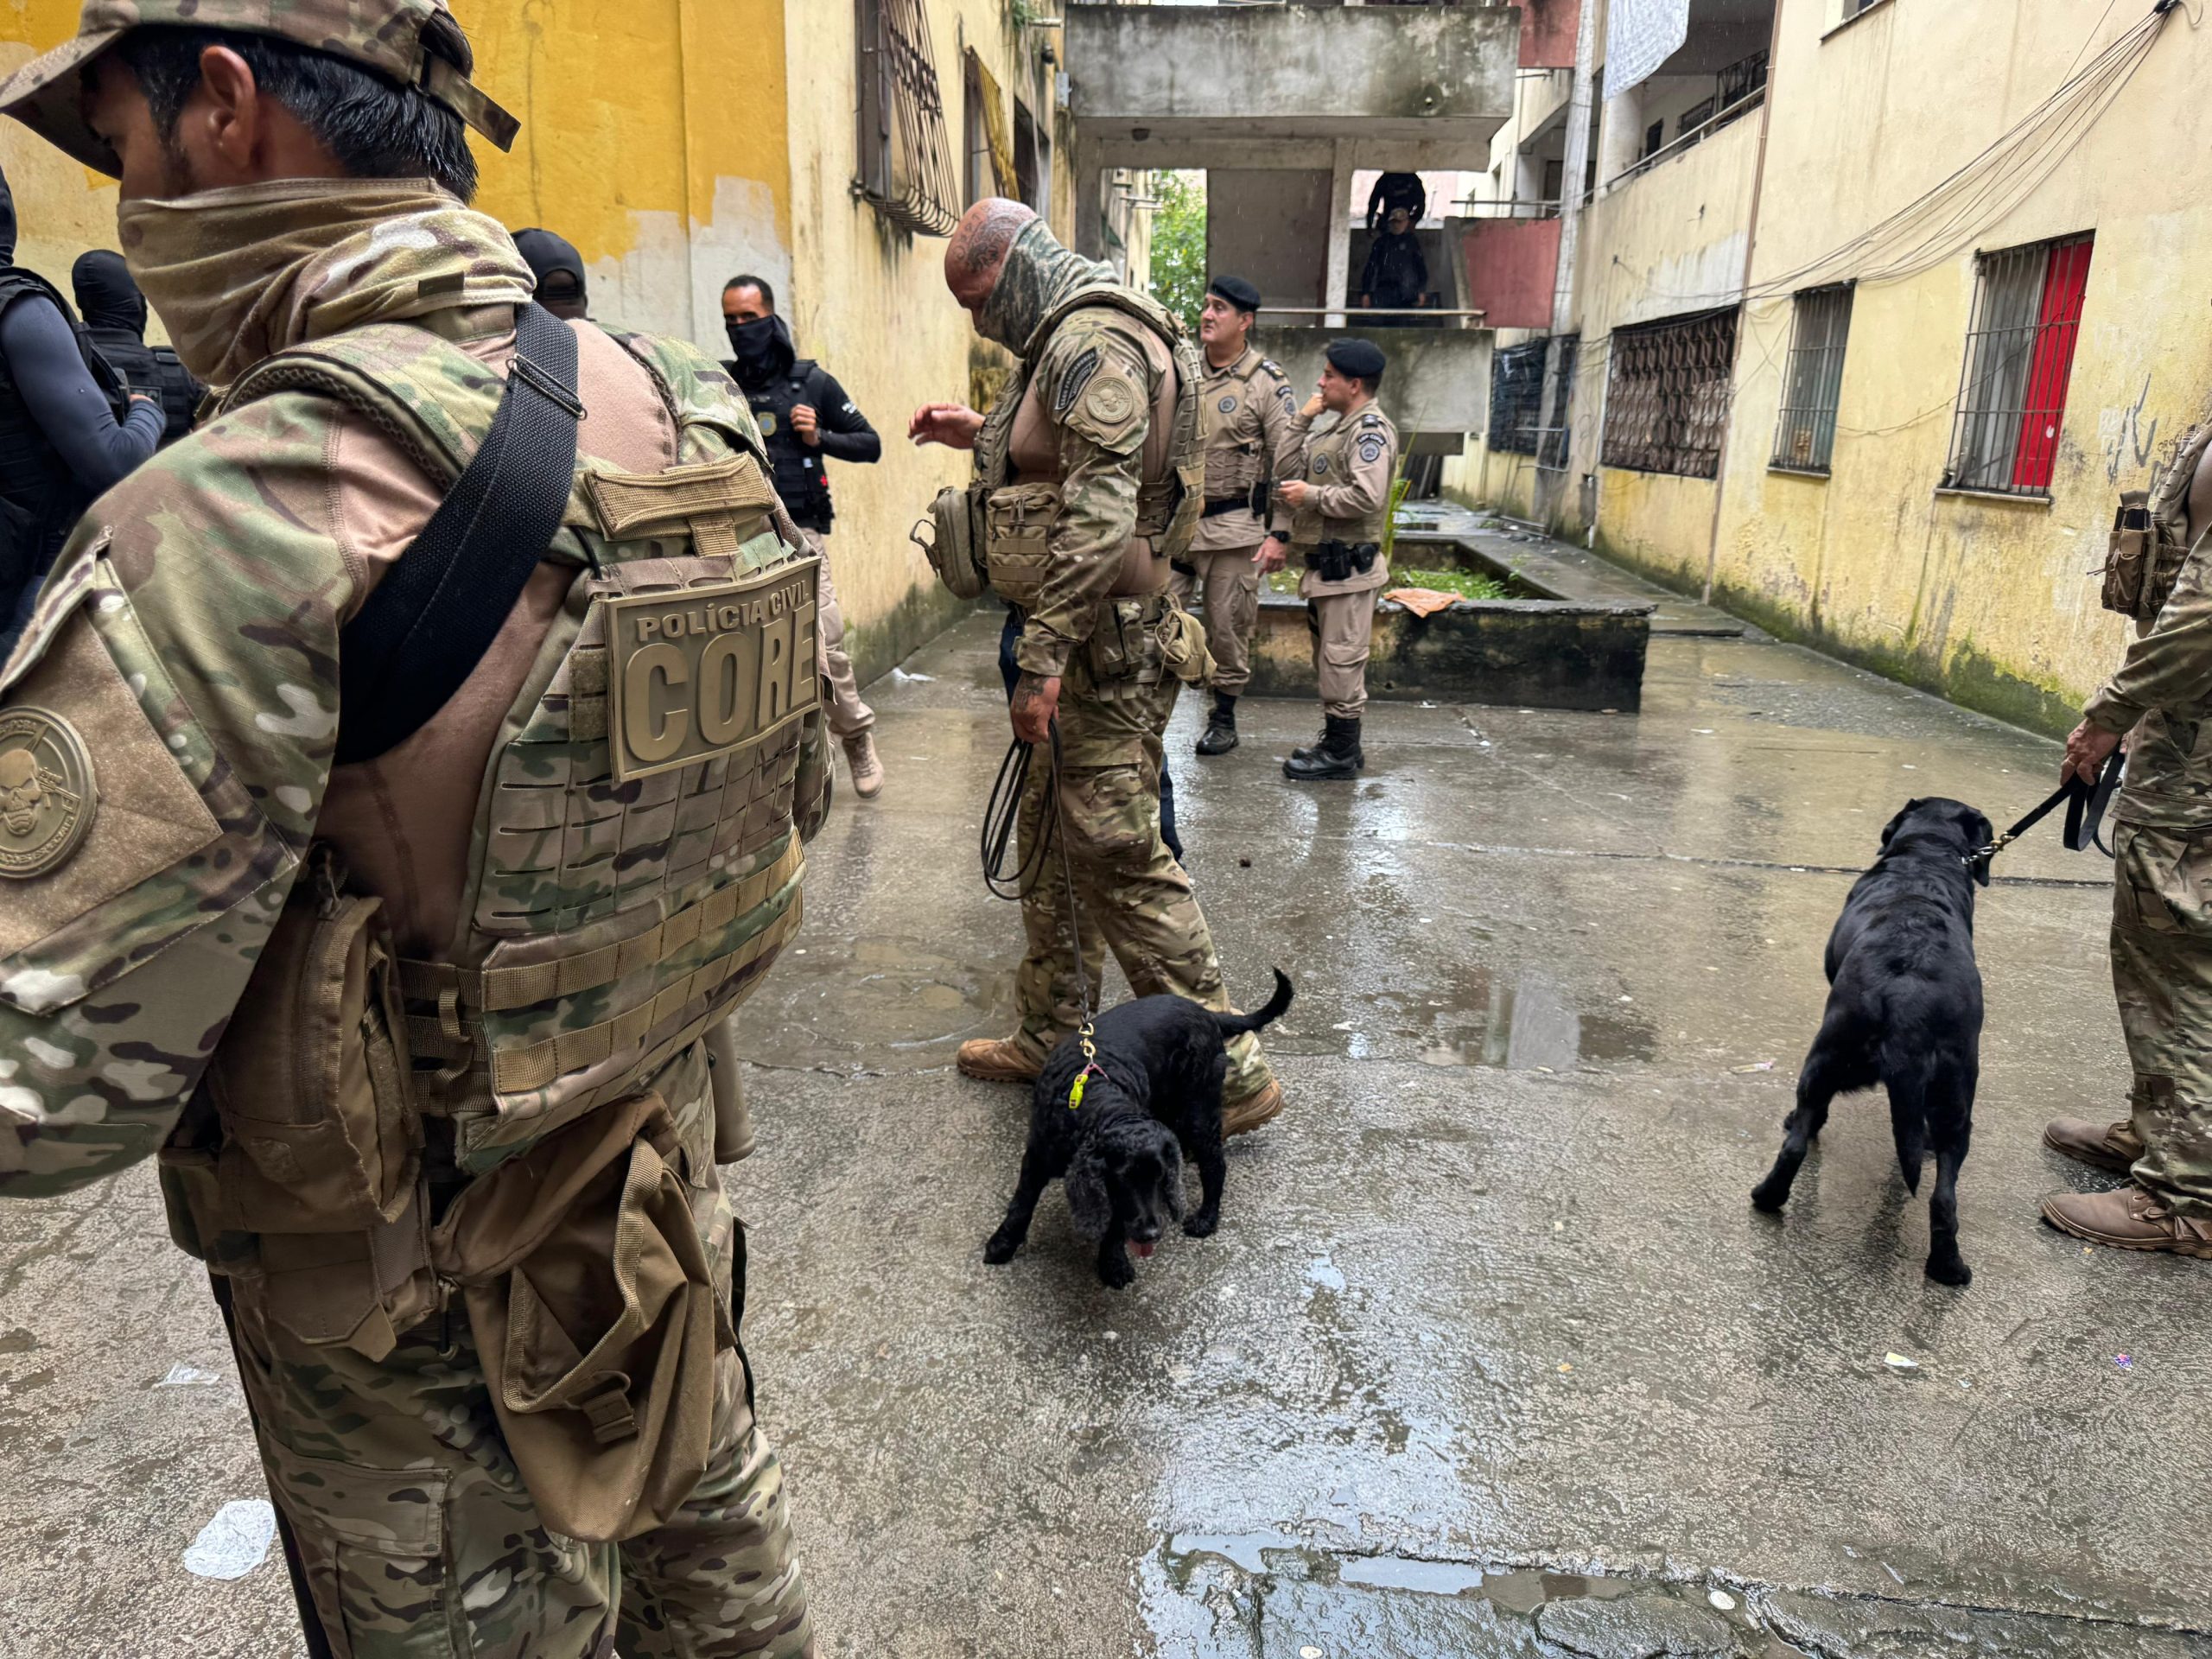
(313,1082)
(1124,648)
(1262,497)
(953,548)
(1018,538)
(594,1310)
(2128,554)
(1183,646)
(1361,554)
(1328,561)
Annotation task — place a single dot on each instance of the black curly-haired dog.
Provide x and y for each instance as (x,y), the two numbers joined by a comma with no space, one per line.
(1156,1092)
(1904,1011)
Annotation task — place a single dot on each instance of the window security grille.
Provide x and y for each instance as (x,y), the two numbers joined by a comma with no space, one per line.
(1804,439)
(1517,396)
(2027,312)
(1551,440)
(906,168)
(1666,395)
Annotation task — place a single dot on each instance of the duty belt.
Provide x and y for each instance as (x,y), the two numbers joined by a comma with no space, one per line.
(1218,504)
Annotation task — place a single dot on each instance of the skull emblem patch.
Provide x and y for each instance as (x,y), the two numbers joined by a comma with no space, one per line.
(47,792)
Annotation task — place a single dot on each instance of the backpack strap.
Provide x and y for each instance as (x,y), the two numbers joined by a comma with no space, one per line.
(421,632)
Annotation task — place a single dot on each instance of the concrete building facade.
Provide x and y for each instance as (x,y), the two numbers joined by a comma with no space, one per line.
(1878,305)
(678,143)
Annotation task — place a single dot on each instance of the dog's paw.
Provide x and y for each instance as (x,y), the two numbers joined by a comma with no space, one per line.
(1116,1272)
(1766,1198)
(999,1248)
(1953,1272)
(1201,1225)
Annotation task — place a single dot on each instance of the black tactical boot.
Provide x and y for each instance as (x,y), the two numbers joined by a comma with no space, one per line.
(1339,755)
(1307,750)
(1221,726)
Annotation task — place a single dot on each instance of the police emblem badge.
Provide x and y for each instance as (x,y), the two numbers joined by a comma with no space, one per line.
(765,420)
(1320,464)
(697,673)
(1370,450)
(48,792)
(1228,405)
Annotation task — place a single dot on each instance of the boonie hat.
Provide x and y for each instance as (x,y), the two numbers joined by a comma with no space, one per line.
(1238,292)
(1361,357)
(46,94)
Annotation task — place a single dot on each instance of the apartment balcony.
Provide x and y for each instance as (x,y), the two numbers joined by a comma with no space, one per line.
(1408,87)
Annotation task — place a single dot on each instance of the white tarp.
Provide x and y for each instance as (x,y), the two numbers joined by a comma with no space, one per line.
(1640,35)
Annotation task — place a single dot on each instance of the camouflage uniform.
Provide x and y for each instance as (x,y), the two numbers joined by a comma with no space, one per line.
(1089,411)
(173,710)
(2162,899)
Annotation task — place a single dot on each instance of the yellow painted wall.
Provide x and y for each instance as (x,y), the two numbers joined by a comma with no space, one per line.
(677,143)
(1987,601)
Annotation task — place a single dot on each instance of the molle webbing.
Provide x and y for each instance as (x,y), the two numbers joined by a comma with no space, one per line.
(495,990)
(464,996)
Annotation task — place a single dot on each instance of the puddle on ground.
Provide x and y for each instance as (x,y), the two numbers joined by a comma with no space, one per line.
(1529,1025)
(1397,1572)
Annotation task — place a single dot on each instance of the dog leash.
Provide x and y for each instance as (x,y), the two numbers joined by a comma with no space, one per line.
(2085,812)
(1000,815)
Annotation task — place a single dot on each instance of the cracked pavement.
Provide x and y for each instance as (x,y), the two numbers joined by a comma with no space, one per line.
(1490,1356)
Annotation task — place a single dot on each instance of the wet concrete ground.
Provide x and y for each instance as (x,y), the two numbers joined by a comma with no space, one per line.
(1490,1356)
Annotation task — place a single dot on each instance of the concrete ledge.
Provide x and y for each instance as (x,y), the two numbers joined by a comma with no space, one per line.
(1552,651)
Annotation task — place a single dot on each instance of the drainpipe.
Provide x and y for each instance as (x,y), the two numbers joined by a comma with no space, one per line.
(1743,311)
(1574,169)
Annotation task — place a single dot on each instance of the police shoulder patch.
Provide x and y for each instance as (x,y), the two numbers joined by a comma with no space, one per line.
(1371,449)
(1078,376)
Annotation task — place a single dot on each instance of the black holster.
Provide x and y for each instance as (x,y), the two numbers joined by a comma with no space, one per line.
(1342,561)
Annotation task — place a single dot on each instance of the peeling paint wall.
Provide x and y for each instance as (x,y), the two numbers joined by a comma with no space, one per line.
(1988,600)
(677,143)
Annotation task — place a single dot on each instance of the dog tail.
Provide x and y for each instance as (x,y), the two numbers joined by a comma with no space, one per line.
(1907,1083)
(1236,1025)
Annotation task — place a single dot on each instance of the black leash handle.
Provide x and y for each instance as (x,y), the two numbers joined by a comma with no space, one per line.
(2084,811)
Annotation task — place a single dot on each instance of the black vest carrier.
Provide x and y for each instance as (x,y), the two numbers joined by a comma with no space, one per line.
(801,476)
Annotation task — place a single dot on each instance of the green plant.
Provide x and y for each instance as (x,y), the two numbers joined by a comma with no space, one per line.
(1179,243)
(1022,13)
(1399,486)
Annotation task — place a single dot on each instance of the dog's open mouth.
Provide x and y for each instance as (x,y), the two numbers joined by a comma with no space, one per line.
(1143,1249)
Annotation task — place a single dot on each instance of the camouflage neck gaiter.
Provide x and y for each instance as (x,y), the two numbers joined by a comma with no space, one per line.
(241,273)
(1039,275)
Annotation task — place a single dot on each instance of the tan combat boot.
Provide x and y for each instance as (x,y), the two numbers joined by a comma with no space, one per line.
(998,1059)
(1242,1116)
(860,761)
(2128,1219)
(2107,1145)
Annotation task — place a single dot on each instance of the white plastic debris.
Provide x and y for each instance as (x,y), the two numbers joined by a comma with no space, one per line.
(901,677)
(235,1541)
(1722,1601)
(1898,1362)
(182,1375)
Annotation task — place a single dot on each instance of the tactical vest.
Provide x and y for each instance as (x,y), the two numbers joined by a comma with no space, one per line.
(41,500)
(2150,533)
(634,867)
(1329,461)
(153,369)
(802,477)
(1168,503)
(1236,442)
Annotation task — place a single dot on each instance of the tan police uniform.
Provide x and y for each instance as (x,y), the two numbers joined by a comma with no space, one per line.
(1249,416)
(1349,464)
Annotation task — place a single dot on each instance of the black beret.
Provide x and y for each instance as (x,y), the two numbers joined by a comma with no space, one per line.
(1360,357)
(1238,292)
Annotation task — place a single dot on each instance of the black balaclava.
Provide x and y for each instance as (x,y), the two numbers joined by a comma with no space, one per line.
(763,348)
(7,223)
(106,296)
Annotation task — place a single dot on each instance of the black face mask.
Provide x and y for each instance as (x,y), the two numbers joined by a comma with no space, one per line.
(754,342)
(7,223)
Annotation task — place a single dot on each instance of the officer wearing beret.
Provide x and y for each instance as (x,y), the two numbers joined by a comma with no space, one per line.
(1339,497)
(1248,411)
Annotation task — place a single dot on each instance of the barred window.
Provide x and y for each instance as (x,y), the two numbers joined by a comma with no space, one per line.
(1517,396)
(2027,311)
(1666,395)
(905,153)
(1804,439)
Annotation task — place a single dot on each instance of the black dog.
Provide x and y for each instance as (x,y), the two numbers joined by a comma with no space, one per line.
(1155,1090)
(1904,1011)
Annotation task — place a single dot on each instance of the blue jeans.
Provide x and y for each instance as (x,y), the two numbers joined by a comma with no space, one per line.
(1010,671)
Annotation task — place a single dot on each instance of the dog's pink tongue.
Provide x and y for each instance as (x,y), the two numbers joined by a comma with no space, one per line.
(1143,1250)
